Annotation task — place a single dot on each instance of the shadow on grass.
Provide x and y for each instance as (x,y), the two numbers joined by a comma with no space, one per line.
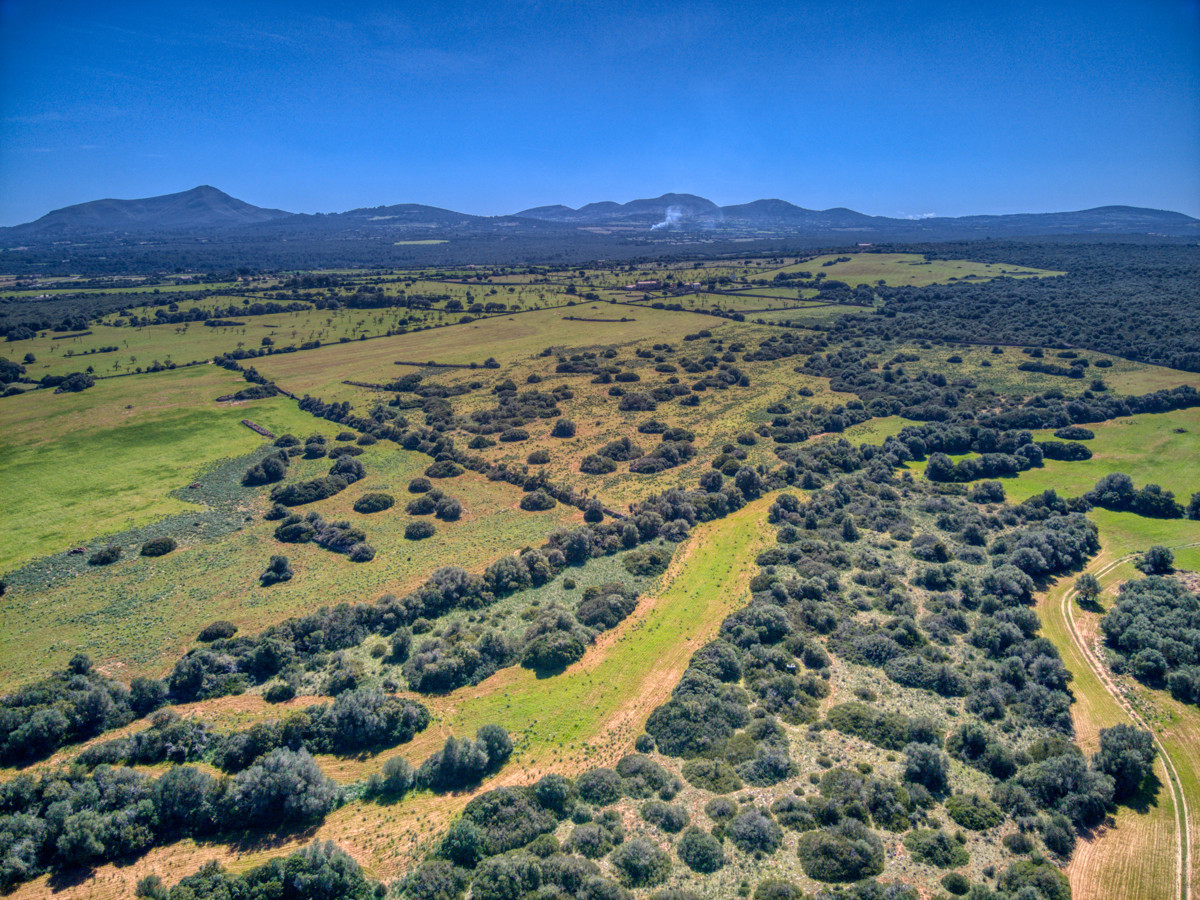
(1146,797)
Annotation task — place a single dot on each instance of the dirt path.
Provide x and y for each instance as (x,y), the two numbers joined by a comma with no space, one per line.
(585,717)
(1183,857)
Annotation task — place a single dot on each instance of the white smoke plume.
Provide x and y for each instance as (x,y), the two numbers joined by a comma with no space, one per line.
(674,214)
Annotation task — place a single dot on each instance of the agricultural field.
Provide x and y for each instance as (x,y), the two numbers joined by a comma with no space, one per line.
(676,584)
(900,269)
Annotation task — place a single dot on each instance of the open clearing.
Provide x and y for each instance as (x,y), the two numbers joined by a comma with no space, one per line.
(913,269)
(80,466)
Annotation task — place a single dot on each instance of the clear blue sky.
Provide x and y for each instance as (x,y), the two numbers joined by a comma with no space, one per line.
(891,108)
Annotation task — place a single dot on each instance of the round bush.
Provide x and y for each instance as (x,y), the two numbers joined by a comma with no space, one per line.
(480,442)
(974,812)
(374,502)
(422,506)
(563,428)
(361,552)
(594,464)
(640,863)
(216,631)
(753,830)
(700,851)
(418,531)
(419,485)
(848,851)
(105,557)
(280,692)
(158,546)
(538,457)
(513,435)
(599,786)
(538,501)
(956,883)
(448,509)
(444,468)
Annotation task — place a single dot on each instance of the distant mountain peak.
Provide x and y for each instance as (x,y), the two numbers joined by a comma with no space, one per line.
(202,208)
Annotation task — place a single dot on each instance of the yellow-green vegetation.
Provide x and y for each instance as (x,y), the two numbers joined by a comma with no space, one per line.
(912,269)
(78,466)
(1152,448)
(507,339)
(1140,856)
(140,614)
(161,345)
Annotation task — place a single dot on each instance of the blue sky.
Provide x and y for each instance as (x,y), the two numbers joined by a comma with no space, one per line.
(891,108)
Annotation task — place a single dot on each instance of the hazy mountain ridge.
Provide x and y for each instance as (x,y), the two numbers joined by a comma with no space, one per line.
(202,207)
(208,210)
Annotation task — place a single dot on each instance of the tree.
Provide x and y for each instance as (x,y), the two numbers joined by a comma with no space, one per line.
(640,863)
(1127,755)
(1158,560)
(1087,587)
(700,851)
(1193,507)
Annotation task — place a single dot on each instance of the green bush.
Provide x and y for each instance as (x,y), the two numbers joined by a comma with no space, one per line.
(956,883)
(937,848)
(106,556)
(713,775)
(538,501)
(418,531)
(640,863)
(700,851)
(374,502)
(848,851)
(216,631)
(158,546)
(974,812)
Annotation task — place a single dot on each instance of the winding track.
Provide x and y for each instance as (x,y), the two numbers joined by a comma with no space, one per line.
(1183,860)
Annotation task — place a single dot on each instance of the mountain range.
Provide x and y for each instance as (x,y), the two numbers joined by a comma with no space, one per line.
(206,209)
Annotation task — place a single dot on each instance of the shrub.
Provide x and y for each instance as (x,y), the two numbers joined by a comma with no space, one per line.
(444,468)
(448,509)
(777,889)
(936,848)
(640,863)
(420,485)
(105,556)
(594,464)
(374,502)
(418,531)
(277,570)
(752,830)
(513,435)
(538,457)
(538,501)
(956,883)
(563,428)
(700,851)
(848,851)
(670,817)
(216,631)
(361,552)
(158,546)
(974,812)
(599,786)
(280,692)
(421,506)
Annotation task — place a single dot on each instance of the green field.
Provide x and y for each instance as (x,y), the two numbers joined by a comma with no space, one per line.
(80,466)
(897,269)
